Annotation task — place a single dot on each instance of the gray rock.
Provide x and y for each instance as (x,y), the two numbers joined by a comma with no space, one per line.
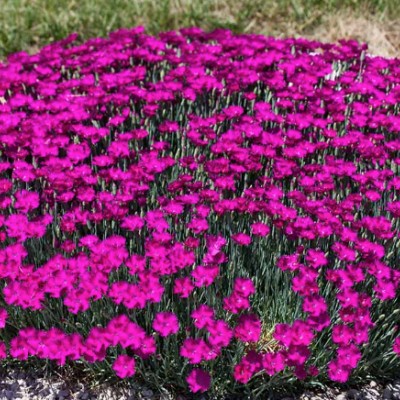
(9,394)
(354,394)
(147,393)
(63,393)
(387,394)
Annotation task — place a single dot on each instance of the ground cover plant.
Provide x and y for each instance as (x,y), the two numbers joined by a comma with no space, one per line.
(201,211)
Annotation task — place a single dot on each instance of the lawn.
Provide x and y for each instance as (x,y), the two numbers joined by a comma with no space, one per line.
(29,24)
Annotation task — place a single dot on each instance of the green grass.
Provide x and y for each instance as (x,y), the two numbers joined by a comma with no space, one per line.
(29,24)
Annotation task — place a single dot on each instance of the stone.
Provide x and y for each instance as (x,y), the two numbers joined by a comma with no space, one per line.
(354,394)
(387,394)
(9,394)
(147,393)
(63,393)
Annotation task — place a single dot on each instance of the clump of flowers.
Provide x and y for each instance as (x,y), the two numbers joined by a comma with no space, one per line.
(164,199)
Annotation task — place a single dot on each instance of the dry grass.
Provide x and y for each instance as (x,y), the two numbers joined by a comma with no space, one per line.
(382,36)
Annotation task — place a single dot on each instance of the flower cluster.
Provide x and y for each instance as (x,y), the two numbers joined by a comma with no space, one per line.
(137,172)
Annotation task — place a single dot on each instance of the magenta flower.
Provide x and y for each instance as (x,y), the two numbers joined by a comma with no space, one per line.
(194,350)
(248,328)
(338,372)
(183,287)
(124,366)
(274,362)
(166,323)
(315,305)
(342,334)
(132,223)
(260,229)
(242,373)
(203,316)
(3,317)
(147,347)
(3,350)
(349,355)
(235,303)
(396,346)
(244,287)
(198,380)
(204,275)
(242,239)
(220,333)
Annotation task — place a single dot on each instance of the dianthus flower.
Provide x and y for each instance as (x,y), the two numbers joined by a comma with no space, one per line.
(3,317)
(204,275)
(235,303)
(203,316)
(147,347)
(244,287)
(248,328)
(198,380)
(183,287)
(338,372)
(274,362)
(241,239)
(3,350)
(349,355)
(193,350)
(220,333)
(124,366)
(166,323)
(259,229)
(396,346)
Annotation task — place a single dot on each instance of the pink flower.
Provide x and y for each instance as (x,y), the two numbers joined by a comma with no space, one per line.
(319,322)
(3,350)
(3,317)
(242,239)
(396,346)
(166,323)
(242,372)
(248,328)
(274,362)
(338,372)
(198,380)
(260,229)
(147,347)
(235,303)
(205,275)
(19,348)
(220,334)
(132,223)
(183,287)
(316,258)
(297,355)
(315,305)
(203,316)
(26,201)
(124,366)
(385,289)
(198,225)
(244,287)
(349,355)
(194,350)
(342,334)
